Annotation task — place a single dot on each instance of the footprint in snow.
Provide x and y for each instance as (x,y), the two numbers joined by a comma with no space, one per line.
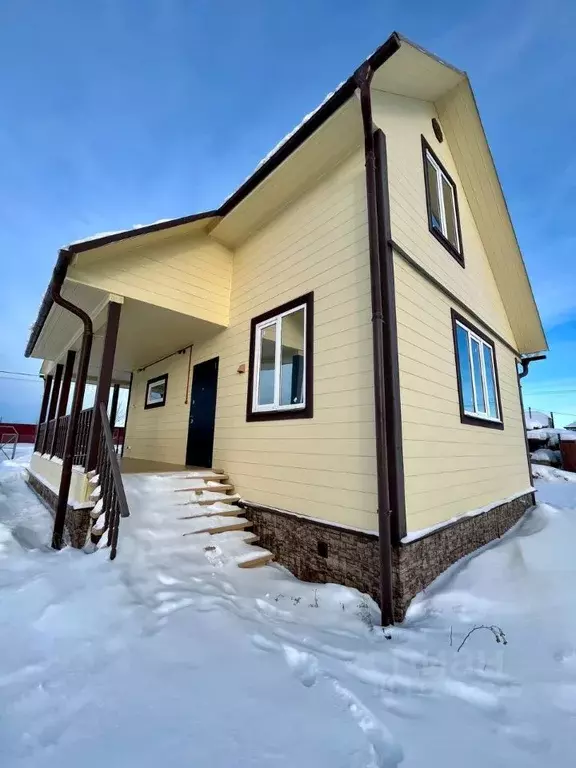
(486,702)
(313,645)
(390,682)
(303,665)
(416,658)
(525,737)
(386,751)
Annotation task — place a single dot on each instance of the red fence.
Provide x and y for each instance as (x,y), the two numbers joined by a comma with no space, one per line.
(26,432)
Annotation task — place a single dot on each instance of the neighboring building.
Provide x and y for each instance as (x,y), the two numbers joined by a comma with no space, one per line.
(538,419)
(571,426)
(347,358)
(23,433)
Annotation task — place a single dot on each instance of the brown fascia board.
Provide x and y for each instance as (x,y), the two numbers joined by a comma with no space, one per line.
(338,98)
(65,256)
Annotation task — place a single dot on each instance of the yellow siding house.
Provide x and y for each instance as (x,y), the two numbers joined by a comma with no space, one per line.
(341,338)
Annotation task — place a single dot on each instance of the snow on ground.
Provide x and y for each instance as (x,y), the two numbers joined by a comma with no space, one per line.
(172,655)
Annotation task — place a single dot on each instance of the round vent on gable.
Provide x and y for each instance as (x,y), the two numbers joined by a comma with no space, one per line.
(437,130)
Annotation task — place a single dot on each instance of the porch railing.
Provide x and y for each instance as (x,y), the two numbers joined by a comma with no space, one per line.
(60,439)
(112,504)
(40,437)
(82,436)
(56,438)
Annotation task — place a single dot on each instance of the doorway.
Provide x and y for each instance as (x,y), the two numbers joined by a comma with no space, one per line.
(202,414)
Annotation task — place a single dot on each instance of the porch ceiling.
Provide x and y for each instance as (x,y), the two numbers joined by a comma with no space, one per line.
(146,332)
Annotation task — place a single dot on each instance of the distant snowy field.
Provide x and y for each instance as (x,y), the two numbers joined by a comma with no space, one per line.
(172,656)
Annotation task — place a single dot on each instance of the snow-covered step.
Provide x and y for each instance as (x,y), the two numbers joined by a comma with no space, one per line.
(227,537)
(254,557)
(219,508)
(209,497)
(217,525)
(200,485)
(208,474)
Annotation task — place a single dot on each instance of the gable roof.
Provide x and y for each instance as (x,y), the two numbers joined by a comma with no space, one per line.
(436,77)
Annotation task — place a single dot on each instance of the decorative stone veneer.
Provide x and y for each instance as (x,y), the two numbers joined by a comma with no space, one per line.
(317,551)
(417,563)
(77,520)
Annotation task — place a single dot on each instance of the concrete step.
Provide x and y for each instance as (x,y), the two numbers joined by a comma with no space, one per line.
(210,486)
(226,537)
(210,497)
(255,559)
(218,524)
(208,511)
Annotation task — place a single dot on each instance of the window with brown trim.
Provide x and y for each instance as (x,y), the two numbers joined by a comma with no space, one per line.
(442,203)
(156,390)
(280,384)
(477,372)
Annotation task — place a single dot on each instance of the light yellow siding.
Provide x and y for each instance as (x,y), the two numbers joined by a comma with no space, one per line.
(187,274)
(325,466)
(404,121)
(160,434)
(450,468)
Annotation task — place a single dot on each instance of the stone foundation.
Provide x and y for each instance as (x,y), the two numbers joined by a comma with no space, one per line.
(417,563)
(77,520)
(323,552)
(318,551)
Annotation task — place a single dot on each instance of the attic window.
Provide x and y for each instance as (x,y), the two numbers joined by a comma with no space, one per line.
(442,203)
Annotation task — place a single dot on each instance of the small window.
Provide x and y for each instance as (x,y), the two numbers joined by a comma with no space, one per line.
(478,387)
(156,392)
(442,204)
(280,383)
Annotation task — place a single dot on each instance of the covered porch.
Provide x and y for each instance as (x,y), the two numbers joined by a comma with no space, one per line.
(127,336)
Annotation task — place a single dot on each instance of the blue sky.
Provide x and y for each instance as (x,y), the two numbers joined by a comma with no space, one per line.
(121,112)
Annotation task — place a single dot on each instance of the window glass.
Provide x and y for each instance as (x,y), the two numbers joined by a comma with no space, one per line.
(441,202)
(478,387)
(267,365)
(292,359)
(435,210)
(490,382)
(451,231)
(465,370)
(477,368)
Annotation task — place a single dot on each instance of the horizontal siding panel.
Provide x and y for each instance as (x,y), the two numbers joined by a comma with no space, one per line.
(323,467)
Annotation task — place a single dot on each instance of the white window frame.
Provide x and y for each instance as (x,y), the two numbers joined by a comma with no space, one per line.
(443,226)
(477,413)
(277,321)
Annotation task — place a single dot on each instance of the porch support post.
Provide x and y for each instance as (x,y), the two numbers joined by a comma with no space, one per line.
(114,407)
(53,403)
(66,382)
(63,397)
(104,381)
(127,412)
(43,411)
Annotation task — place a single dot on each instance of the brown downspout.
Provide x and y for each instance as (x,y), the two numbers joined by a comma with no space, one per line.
(363,79)
(525,362)
(81,376)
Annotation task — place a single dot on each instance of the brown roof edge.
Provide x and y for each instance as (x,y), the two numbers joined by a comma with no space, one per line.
(338,98)
(65,256)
